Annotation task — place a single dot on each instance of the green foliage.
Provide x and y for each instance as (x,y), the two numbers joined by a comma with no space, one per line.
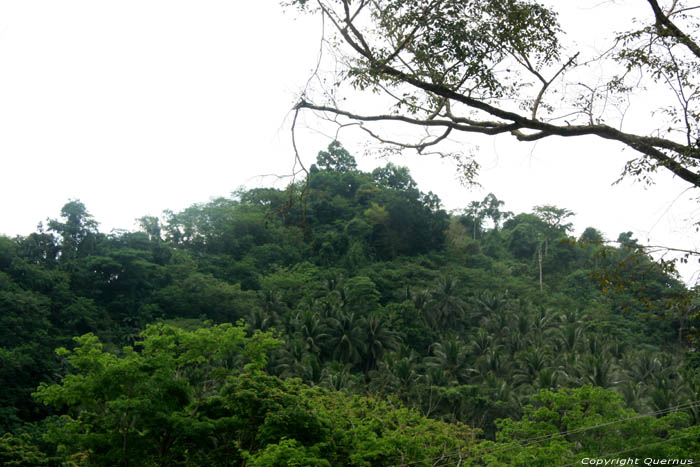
(462,318)
(369,432)
(27,336)
(270,410)
(288,453)
(190,397)
(336,159)
(142,408)
(554,218)
(196,295)
(19,451)
(524,235)
(78,230)
(571,424)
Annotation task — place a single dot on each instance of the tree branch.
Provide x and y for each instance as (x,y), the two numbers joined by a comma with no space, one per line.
(546,84)
(487,128)
(491,117)
(419,147)
(667,28)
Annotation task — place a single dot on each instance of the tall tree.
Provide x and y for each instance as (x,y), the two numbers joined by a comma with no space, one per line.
(336,158)
(77,229)
(491,208)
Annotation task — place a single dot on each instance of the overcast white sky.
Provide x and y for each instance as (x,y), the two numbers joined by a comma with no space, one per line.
(134,107)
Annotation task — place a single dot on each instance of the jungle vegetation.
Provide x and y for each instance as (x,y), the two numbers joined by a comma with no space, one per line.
(347,319)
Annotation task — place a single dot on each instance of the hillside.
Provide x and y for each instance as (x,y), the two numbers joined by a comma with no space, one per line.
(368,327)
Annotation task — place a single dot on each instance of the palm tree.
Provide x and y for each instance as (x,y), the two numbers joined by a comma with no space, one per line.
(421,300)
(501,391)
(598,370)
(617,348)
(570,367)
(481,342)
(337,377)
(290,361)
(451,356)
(398,373)
(258,319)
(515,342)
(531,363)
(328,307)
(347,336)
(311,329)
(523,323)
(544,321)
(569,337)
(486,303)
(669,388)
(333,282)
(379,338)
(336,293)
(445,301)
(692,381)
(498,323)
(642,366)
(549,378)
(493,363)
(407,377)
(668,391)
(572,316)
(311,370)
(436,376)
(338,299)
(595,345)
(272,305)
(634,395)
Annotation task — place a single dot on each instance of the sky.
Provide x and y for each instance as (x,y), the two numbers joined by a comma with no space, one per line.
(134,107)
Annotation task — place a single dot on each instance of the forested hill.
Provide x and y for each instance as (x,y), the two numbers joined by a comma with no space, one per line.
(369,327)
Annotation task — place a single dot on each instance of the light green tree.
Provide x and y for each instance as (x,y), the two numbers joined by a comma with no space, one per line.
(152,406)
(568,425)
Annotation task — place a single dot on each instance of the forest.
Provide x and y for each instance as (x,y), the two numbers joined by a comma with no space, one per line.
(346,319)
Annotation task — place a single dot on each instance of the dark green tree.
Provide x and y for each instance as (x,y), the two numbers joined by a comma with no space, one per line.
(78,230)
(336,159)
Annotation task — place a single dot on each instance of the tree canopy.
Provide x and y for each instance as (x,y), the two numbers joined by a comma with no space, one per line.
(505,67)
(372,329)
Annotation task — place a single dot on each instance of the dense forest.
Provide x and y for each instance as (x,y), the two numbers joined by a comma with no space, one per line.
(345,320)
